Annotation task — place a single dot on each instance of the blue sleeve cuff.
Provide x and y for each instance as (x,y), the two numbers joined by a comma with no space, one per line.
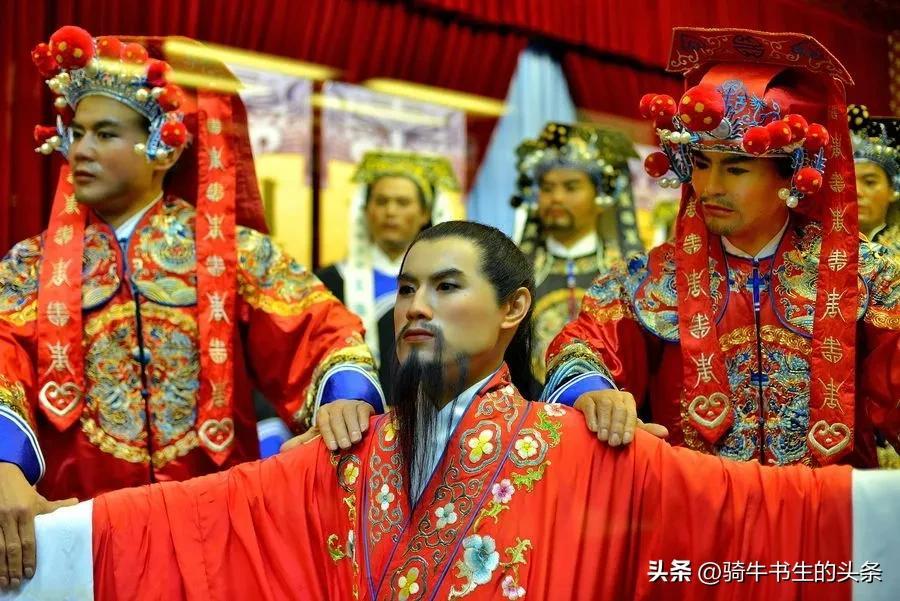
(272,434)
(569,392)
(19,445)
(351,382)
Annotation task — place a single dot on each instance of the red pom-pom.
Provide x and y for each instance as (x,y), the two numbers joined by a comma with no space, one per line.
(72,47)
(757,140)
(42,133)
(702,108)
(779,134)
(657,164)
(798,126)
(808,181)
(157,73)
(44,61)
(644,106)
(662,109)
(816,137)
(109,47)
(173,133)
(171,98)
(134,53)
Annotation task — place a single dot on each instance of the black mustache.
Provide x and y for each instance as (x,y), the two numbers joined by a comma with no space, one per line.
(433,330)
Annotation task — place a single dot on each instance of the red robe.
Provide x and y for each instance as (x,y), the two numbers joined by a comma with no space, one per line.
(628,330)
(291,331)
(525,501)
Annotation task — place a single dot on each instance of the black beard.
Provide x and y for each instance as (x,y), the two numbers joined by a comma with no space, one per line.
(419,387)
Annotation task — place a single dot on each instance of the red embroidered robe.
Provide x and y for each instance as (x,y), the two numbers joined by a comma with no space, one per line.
(525,502)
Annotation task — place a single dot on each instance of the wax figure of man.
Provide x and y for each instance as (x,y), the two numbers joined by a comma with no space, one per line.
(466,489)
(131,328)
(399,193)
(740,332)
(575,217)
(875,152)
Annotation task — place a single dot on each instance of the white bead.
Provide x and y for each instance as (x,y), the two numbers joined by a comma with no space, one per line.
(142,95)
(54,141)
(92,68)
(157,92)
(792,202)
(140,148)
(783,193)
(60,102)
(46,148)
(64,78)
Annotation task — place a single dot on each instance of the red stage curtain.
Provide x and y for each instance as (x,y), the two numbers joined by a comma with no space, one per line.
(642,29)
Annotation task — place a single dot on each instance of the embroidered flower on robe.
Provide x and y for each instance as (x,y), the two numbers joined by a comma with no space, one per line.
(503,491)
(526,447)
(408,584)
(445,515)
(511,588)
(351,473)
(555,409)
(480,557)
(384,497)
(390,432)
(481,445)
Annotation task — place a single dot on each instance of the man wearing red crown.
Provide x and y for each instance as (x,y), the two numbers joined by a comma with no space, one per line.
(131,329)
(766,331)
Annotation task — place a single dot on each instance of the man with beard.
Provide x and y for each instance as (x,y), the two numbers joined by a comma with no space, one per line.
(765,331)
(576,217)
(469,490)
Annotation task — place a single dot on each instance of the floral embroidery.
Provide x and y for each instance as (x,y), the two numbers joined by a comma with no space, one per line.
(390,431)
(555,409)
(408,584)
(385,497)
(480,558)
(445,515)
(511,588)
(526,447)
(481,445)
(503,491)
(351,473)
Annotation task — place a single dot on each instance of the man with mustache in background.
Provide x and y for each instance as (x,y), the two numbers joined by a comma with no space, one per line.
(467,490)
(765,331)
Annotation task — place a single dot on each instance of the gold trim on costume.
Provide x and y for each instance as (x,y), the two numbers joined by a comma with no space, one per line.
(12,395)
(23,316)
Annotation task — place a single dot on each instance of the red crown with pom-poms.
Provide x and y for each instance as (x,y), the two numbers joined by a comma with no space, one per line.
(77,65)
(727,118)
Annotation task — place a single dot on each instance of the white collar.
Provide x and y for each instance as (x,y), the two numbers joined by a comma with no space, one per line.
(383,263)
(587,245)
(124,231)
(877,231)
(766,251)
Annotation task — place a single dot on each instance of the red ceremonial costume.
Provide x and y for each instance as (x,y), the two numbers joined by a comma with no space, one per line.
(792,356)
(128,360)
(521,487)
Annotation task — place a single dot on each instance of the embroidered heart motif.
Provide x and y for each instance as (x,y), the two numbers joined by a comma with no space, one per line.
(710,411)
(60,400)
(217,435)
(829,439)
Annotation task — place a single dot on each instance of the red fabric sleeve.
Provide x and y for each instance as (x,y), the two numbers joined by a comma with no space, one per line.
(607,334)
(296,330)
(257,531)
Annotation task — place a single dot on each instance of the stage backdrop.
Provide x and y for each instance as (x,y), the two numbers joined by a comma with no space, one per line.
(356,120)
(279,112)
